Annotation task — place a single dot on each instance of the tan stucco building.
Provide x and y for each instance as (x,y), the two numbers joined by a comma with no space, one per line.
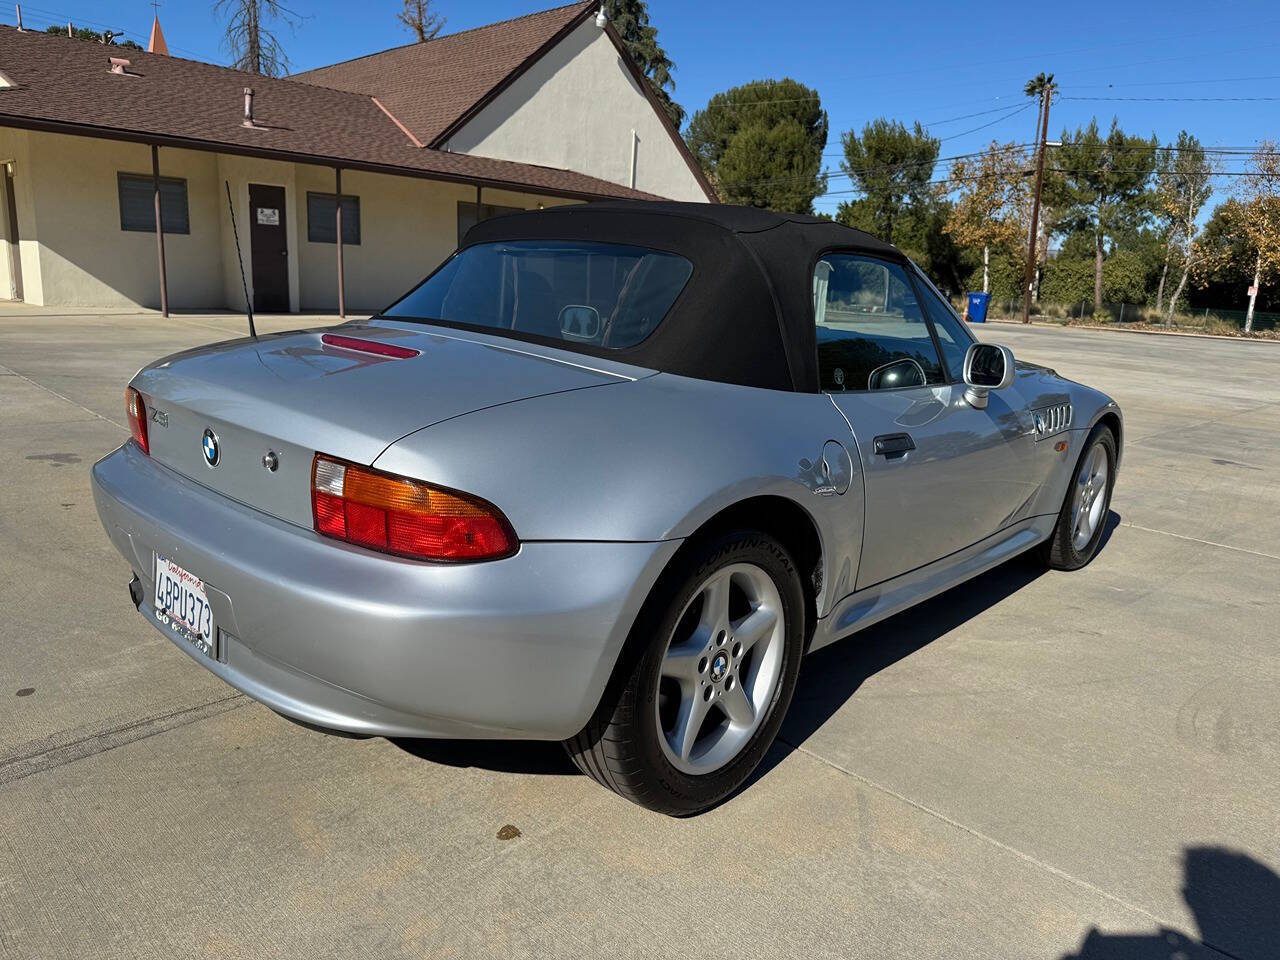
(424,139)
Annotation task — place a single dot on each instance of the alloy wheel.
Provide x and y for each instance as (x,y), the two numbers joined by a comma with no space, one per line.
(1089,501)
(721,668)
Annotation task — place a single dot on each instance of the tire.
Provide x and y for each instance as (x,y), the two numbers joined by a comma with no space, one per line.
(635,743)
(1064,550)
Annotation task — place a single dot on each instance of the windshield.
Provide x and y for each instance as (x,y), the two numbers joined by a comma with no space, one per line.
(602,294)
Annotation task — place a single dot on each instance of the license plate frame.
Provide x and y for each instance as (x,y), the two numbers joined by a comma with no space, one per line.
(180,605)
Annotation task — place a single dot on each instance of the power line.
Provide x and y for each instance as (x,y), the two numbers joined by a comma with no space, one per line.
(984,126)
(51,18)
(1178,99)
(875,168)
(1178,83)
(967,116)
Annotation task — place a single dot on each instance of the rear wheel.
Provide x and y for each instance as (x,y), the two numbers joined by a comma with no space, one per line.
(1083,518)
(708,673)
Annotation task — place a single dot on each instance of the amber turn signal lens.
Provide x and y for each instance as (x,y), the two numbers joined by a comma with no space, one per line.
(136,411)
(405,517)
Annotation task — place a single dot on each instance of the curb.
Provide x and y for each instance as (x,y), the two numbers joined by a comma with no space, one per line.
(1147,333)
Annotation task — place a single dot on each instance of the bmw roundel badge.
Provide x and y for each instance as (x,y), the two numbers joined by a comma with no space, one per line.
(209,444)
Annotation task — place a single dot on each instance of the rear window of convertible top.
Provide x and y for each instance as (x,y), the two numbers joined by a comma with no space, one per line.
(580,292)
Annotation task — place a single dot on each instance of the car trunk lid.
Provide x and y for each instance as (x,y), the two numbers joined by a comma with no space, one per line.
(292,395)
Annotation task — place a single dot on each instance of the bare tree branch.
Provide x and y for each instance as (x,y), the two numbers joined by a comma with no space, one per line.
(418,18)
(253,46)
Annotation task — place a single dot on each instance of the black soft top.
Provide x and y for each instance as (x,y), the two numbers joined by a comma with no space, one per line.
(746,314)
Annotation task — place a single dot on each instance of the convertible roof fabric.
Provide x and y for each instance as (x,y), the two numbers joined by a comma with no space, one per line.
(746,314)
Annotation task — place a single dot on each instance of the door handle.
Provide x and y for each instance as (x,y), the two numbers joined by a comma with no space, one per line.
(893,444)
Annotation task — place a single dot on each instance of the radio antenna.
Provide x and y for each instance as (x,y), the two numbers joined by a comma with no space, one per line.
(248,304)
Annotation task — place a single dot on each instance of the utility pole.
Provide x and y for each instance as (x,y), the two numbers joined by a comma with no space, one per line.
(1046,94)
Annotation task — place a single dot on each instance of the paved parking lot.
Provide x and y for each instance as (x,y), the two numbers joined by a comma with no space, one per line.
(1031,766)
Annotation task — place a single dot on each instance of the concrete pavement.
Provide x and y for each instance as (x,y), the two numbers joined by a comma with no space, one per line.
(1033,765)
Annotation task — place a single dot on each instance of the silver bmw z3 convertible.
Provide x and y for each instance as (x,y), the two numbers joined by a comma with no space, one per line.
(603,477)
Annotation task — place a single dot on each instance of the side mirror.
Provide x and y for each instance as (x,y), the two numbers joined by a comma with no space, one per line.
(905,372)
(579,323)
(987,367)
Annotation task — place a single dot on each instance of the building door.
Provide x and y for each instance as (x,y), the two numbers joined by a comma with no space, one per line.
(269,249)
(12,253)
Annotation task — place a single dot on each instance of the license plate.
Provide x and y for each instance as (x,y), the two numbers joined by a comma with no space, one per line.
(182,605)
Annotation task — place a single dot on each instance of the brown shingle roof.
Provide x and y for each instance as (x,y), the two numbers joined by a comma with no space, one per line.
(430,86)
(65,85)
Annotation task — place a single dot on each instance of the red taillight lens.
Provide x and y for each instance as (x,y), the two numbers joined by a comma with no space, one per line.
(404,517)
(136,410)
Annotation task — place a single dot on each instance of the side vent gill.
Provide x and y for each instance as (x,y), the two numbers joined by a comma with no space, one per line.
(1051,421)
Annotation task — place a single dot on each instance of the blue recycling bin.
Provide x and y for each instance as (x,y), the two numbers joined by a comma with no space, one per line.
(978,307)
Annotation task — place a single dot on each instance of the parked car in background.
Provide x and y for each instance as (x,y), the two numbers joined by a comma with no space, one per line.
(604,477)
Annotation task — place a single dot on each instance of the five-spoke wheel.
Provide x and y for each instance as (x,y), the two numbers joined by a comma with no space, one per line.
(705,679)
(1082,520)
(721,668)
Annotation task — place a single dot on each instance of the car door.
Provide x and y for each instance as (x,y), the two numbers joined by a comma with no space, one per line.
(939,475)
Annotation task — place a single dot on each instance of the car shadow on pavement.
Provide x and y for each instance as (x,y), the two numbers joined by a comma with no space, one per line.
(830,676)
(501,756)
(1235,900)
(827,679)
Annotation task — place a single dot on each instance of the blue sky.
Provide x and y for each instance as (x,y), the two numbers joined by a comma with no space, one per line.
(910,60)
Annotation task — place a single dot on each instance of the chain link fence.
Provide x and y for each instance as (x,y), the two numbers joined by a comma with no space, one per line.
(1138,317)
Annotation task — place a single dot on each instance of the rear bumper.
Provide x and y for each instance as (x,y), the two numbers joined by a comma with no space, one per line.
(352,640)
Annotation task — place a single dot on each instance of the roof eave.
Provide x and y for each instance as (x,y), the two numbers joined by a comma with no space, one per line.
(73,128)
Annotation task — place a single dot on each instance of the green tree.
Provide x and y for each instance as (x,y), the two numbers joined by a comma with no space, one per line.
(1182,188)
(254,46)
(108,38)
(1258,194)
(1100,185)
(993,203)
(761,144)
(418,18)
(1225,260)
(631,19)
(892,167)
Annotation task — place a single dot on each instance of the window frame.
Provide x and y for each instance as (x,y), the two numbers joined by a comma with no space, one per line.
(909,270)
(122,175)
(931,287)
(618,354)
(355,198)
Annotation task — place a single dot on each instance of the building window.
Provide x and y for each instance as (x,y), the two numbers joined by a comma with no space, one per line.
(468,217)
(322,224)
(137,204)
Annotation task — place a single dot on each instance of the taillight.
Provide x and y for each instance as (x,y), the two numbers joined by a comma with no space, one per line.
(404,517)
(137,413)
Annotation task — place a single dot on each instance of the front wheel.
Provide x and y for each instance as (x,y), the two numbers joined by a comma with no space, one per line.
(707,676)
(1083,517)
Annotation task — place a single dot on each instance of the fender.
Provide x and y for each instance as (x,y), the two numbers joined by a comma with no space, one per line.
(674,452)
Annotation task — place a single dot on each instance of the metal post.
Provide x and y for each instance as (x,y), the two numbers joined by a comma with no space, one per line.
(342,296)
(1045,97)
(155,187)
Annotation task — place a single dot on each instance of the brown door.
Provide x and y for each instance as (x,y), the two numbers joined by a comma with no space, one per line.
(269,249)
(11,235)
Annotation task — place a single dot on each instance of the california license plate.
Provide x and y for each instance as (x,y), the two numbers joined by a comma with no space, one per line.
(182,605)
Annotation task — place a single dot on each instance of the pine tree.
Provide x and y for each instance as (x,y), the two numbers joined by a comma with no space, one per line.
(761,144)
